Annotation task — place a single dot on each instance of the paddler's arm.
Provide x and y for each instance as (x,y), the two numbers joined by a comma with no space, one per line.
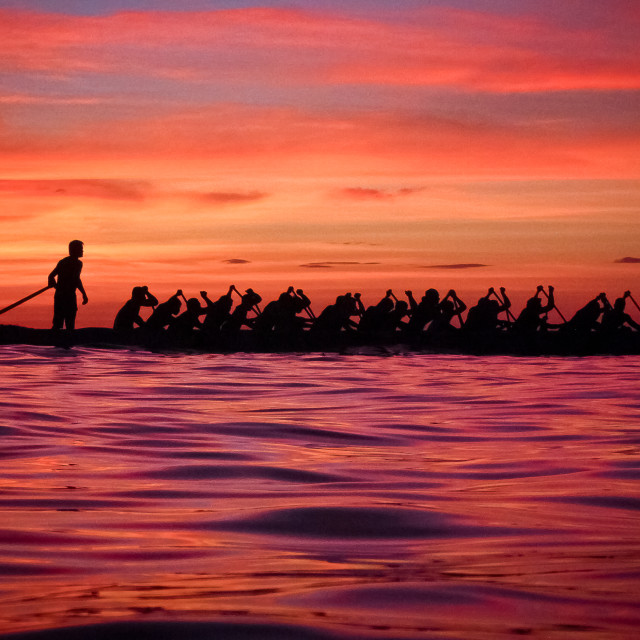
(80,288)
(52,277)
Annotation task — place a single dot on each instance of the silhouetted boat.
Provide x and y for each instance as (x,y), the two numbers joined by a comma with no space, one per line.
(549,343)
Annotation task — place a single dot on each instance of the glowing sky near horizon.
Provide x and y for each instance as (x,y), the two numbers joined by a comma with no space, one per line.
(352,145)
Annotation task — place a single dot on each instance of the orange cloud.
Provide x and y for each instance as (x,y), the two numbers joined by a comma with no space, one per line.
(235,140)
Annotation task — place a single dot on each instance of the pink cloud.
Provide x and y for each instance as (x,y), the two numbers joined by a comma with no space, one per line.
(439,47)
(29,99)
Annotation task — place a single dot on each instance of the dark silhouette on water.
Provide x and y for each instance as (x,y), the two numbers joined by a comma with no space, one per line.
(377,318)
(281,315)
(65,278)
(288,323)
(182,326)
(218,312)
(482,318)
(451,307)
(164,313)
(129,314)
(25,299)
(423,312)
(585,320)
(614,318)
(530,319)
(395,318)
(239,317)
(336,318)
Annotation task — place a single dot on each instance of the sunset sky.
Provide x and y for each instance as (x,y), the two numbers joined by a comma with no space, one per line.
(335,146)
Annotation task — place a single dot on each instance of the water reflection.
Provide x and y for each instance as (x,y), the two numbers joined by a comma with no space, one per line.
(412,496)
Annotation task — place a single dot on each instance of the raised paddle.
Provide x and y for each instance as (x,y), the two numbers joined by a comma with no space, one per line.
(153,306)
(510,315)
(26,298)
(308,309)
(629,296)
(456,306)
(309,312)
(256,308)
(541,288)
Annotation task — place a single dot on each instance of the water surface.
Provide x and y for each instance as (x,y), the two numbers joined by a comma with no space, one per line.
(318,496)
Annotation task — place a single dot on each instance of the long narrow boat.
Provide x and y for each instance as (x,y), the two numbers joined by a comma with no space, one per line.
(551,343)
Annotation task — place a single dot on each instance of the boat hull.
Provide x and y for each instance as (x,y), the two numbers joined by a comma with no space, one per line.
(552,343)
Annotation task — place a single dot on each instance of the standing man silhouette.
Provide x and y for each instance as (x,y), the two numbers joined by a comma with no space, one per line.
(67,271)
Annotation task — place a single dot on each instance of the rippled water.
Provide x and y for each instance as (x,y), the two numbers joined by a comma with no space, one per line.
(313,496)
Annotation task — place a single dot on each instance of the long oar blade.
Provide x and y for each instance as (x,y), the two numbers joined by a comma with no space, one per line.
(630,298)
(25,299)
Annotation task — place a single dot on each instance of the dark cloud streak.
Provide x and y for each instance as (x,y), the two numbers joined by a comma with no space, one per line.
(363,193)
(79,187)
(230,197)
(462,265)
(331,264)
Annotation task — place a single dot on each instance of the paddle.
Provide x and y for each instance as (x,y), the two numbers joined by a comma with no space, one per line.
(26,298)
(456,306)
(256,307)
(308,309)
(153,306)
(629,296)
(541,288)
(510,315)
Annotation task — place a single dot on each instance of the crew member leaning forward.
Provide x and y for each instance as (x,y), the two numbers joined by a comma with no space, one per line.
(67,272)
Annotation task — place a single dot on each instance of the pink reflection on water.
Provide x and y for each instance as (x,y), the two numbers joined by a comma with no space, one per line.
(465,496)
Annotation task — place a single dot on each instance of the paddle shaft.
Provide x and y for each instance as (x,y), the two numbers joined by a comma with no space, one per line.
(554,306)
(630,298)
(25,299)
(507,311)
(456,306)
(460,318)
(307,309)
